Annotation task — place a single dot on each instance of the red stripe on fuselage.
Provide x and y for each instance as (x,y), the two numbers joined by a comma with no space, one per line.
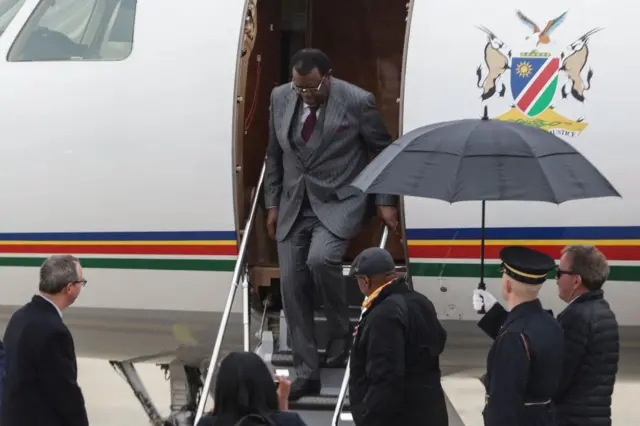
(124,249)
(493,252)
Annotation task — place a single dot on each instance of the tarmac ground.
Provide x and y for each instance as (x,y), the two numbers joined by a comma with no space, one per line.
(110,402)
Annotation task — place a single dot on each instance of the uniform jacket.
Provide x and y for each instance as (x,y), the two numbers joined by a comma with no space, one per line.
(40,387)
(348,128)
(395,369)
(592,351)
(524,365)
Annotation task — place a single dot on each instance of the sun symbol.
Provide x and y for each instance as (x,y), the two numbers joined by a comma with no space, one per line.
(524,69)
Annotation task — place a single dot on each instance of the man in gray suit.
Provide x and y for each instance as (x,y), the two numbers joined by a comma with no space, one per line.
(320,132)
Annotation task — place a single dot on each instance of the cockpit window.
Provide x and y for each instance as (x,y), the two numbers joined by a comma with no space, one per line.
(76,30)
(8,11)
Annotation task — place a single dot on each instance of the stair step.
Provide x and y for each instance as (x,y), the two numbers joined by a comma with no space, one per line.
(352,293)
(321,328)
(320,402)
(286,360)
(324,418)
(354,312)
(345,416)
(331,381)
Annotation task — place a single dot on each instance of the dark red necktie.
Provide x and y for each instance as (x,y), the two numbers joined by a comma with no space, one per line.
(309,124)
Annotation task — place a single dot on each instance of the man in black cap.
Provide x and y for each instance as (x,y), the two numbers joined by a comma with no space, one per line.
(524,365)
(395,369)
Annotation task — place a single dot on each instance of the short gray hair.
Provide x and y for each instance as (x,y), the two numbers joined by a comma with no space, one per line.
(588,262)
(57,272)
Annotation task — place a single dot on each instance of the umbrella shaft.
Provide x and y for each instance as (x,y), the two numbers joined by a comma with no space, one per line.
(481,286)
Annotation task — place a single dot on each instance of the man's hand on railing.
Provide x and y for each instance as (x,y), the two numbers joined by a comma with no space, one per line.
(272,222)
(389,215)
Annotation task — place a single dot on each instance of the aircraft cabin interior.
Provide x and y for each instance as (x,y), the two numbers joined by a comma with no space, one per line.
(62,31)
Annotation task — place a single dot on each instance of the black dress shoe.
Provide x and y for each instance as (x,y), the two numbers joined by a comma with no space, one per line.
(304,387)
(338,352)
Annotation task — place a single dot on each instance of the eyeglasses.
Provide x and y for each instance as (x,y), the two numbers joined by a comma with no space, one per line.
(301,90)
(82,281)
(560,273)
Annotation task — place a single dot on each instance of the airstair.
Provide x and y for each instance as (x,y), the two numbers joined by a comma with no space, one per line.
(331,407)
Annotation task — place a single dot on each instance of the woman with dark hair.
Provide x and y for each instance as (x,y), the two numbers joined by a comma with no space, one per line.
(246,395)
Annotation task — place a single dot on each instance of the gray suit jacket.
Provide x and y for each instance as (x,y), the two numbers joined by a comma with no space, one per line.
(352,127)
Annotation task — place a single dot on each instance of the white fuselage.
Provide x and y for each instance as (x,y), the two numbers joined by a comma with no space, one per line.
(128,164)
(444,51)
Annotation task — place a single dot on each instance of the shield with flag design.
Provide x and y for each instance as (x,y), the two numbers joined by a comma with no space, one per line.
(534,80)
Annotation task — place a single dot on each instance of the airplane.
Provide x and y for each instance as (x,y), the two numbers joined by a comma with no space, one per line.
(134,134)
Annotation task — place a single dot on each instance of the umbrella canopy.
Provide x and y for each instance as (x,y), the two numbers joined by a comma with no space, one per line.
(483,160)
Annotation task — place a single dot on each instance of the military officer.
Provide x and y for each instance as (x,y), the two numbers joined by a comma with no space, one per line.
(524,364)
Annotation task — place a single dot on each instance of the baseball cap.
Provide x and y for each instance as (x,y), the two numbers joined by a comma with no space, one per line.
(372,261)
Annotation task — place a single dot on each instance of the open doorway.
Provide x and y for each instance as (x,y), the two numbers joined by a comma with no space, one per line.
(365,42)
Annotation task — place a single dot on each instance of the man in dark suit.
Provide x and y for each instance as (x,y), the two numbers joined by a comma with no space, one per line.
(321,130)
(41,386)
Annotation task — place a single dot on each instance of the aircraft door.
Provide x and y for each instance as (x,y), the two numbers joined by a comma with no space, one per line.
(365,41)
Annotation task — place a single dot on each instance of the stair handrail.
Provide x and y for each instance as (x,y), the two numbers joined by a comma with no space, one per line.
(345,379)
(239,273)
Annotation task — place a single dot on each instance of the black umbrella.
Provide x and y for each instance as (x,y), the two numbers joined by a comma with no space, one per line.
(483,160)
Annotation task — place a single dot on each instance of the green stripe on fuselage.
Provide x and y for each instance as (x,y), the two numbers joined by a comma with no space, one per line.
(472,270)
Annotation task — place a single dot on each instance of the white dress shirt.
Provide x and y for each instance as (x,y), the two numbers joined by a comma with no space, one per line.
(306,110)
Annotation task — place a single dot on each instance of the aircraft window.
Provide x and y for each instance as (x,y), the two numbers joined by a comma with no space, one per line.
(8,11)
(76,30)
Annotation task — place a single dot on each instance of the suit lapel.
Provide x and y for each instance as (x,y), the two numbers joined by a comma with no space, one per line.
(333,114)
(335,110)
(290,102)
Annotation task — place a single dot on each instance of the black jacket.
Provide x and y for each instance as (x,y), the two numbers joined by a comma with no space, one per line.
(40,387)
(279,418)
(592,349)
(395,369)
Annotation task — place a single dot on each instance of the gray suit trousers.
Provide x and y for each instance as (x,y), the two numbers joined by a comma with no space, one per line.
(311,258)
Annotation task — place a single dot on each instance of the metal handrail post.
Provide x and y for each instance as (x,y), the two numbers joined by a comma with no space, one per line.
(237,273)
(345,379)
(384,238)
(245,310)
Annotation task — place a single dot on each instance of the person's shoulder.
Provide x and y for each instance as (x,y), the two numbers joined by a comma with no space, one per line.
(281,90)
(548,322)
(351,93)
(593,315)
(350,87)
(415,297)
(577,315)
(420,305)
(540,325)
(392,307)
(599,309)
(32,318)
